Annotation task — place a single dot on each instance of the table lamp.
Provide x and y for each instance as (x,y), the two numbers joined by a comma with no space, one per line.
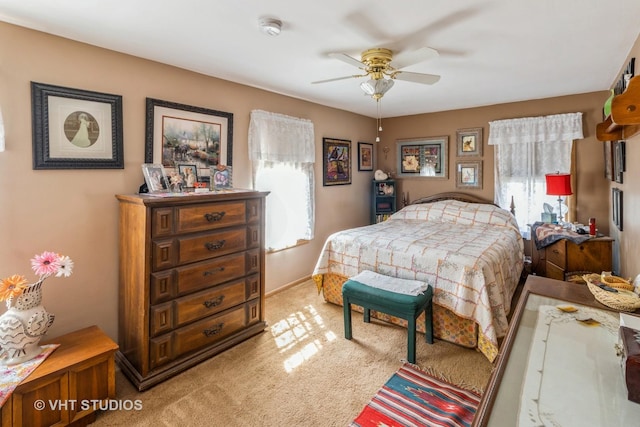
(559,184)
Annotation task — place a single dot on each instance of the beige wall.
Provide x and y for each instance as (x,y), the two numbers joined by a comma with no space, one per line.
(74,212)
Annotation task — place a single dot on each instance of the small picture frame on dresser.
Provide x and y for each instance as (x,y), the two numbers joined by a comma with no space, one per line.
(155,177)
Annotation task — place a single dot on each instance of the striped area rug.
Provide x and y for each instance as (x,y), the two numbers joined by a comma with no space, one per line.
(411,397)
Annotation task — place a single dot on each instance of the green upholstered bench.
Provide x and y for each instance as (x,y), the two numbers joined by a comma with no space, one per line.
(404,306)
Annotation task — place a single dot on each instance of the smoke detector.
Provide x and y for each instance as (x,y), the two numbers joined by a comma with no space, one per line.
(271,27)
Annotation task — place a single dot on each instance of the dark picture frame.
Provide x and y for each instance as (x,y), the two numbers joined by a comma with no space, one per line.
(423,157)
(469,142)
(619,166)
(336,161)
(365,156)
(75,128)
(179,133)
(608,160)
(616,204)
(469,174)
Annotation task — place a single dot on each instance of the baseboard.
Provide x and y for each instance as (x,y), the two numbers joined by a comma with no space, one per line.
(287,286)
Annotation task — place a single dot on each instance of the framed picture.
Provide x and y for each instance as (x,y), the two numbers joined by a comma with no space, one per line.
(365,156)
(189,173)
(618,161)
(423,157)
(336,161)
(178,133)
(469,142)
(616,203)
(608,160)
(221,177)
(155,177)
(76,129)
(469,174)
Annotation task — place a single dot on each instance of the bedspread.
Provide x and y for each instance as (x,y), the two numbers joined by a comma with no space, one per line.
(472,263)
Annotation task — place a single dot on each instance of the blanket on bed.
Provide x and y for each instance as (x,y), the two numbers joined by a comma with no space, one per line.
(472,254)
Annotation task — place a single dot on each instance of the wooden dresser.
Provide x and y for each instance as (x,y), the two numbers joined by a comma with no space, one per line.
(564,256)
(191,279)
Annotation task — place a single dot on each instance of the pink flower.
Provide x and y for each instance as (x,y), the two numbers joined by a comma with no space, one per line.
(45,264)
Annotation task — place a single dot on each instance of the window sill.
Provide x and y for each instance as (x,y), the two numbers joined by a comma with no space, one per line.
(298,243)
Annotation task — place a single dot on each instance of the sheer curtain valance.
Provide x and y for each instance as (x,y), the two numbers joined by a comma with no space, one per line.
(525,150)
(554,128)
(278,138)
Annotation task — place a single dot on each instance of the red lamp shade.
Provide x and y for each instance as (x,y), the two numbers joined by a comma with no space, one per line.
(558,184)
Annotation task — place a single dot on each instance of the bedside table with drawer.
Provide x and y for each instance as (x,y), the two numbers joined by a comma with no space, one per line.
(564,256)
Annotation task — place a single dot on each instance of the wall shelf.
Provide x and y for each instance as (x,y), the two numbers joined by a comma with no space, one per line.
(624,120)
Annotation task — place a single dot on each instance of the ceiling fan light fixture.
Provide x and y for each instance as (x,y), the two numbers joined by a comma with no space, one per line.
(271,27)
(376,88)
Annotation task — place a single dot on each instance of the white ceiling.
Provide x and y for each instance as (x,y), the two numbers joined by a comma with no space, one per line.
(491,52)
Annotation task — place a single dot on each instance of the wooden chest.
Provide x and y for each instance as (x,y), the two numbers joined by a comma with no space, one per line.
(191,279)
(631,361)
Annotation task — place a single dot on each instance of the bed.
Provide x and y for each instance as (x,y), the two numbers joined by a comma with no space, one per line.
(468,249)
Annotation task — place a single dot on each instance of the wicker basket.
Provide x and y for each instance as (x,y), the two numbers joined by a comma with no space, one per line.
(623,300)
(616,282)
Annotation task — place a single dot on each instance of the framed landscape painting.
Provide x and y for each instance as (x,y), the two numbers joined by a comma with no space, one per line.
(184,134)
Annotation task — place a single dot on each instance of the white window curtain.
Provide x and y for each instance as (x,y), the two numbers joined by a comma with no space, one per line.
(282,152)
(525,150)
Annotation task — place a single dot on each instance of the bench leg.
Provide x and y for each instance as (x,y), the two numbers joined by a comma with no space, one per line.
(411,340)
(428,324)
(367,315)
(347,319)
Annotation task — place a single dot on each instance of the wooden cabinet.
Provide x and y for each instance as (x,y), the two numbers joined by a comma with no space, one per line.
(71,382)
(564,256)
(383,200)
(191,279)
(624,120)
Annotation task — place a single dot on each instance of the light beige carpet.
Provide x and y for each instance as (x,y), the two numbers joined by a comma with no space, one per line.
(299,372)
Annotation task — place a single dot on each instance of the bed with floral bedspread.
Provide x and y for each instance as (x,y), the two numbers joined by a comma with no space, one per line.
(471,253)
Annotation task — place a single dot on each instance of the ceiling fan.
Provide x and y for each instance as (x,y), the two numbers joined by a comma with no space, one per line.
(377,64)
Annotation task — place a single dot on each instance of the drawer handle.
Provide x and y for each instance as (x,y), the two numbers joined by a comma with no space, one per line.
(212,246)
(214,302)
(555,251)
(214,271)
(214,216)
(213,331)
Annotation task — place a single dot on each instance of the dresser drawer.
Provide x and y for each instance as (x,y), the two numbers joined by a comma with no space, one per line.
(557,253)
(211,215)
(555,272)
(167,253)
(201,334)
(170,315)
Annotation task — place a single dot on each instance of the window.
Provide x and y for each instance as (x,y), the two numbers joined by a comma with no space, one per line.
(525,150)
(282,152)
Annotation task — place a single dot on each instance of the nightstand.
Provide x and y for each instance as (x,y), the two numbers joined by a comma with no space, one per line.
(562,257)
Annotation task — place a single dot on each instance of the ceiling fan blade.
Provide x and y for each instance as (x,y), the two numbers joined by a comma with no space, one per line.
(334,79)
(426,79)
(348,59)
(407,58)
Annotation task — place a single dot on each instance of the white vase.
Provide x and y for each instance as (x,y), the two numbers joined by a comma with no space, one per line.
(23,325)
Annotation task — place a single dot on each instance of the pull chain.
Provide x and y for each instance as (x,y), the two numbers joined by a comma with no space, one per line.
(378,121)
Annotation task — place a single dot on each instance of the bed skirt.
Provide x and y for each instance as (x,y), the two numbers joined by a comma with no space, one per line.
(447,325)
